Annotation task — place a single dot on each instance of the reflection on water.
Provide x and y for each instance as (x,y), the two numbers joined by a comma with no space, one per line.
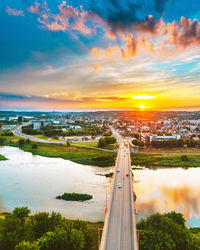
(171,189)
(35,181)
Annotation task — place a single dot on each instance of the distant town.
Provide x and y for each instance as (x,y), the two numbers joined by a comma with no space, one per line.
(143,129)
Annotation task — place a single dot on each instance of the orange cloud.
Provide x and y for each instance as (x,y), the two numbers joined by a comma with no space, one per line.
(96,67)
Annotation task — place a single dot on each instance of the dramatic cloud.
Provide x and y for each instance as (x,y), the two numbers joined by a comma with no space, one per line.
(121,16)
(184,33)
(14,12)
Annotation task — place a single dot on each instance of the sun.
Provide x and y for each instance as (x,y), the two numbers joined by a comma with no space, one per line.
(142,107)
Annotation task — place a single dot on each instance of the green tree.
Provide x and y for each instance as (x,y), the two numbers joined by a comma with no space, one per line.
(44,222)
(21,142)
(155,240)
(102,142)
(34,145)
(11,232)
(141,144)
(26,245)
(176,217)
(135,142)
(21,212)
(28,141)
(184,158)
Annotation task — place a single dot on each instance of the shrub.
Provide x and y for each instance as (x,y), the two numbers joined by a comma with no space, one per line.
(184,158)
(34,145)
(21,142)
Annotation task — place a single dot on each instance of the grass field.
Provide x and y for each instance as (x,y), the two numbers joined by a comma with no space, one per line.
(171,150)
(95,145)
(82,155)
(89,144)
(165,160)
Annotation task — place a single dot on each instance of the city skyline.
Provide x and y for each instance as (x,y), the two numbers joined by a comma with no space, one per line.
(110,55)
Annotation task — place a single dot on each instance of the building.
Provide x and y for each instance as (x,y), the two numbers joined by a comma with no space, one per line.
(36,124)
(20,118)
(164,138)
(8,118)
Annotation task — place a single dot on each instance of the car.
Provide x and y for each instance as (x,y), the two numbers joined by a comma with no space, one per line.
(118,170)
(119,185)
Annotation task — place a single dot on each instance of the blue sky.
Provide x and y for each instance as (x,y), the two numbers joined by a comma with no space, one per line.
(99,54)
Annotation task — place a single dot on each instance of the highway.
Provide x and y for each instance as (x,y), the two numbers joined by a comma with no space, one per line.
(120,227)
(18,132)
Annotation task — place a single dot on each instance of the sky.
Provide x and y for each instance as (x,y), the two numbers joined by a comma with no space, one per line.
(99,55)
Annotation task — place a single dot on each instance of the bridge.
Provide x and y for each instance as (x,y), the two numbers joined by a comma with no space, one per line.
(119,231)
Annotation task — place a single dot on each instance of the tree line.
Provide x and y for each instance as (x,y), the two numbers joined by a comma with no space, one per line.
(103,141)
(167,232)
(43,231)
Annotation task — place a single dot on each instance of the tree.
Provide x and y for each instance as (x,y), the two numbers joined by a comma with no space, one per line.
(176,217)
(34,145)
(44,222)
(2,140)
(141,144)
(21,212)
(102,142)
(136,136)
(184,158)
(11,232)
(135,142)
(151,240)
(27,245)
(27,141)
(167,223)
(21,142)
(110,139)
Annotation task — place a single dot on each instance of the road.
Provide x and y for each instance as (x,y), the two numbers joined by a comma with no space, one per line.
(120,227)
(18,132)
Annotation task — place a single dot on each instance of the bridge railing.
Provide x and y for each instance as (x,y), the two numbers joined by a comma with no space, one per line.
(133,219)
(107,218)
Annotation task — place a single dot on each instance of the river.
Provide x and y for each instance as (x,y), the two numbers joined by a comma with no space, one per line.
(34,181)
(169,189)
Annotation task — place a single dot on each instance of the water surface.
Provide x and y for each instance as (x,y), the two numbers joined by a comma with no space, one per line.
(169,189)
(34,181)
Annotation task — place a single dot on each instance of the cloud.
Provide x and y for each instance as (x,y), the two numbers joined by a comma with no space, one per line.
(121,16)
(184,33)
(14,12)
(97,66)
(68,18)
(142,97)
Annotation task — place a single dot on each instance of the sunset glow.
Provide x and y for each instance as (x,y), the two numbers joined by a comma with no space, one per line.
(80,57)
(140,97)
(142,107)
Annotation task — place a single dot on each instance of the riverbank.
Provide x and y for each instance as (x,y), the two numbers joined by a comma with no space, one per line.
(81,155)
(165,160)
(184,150)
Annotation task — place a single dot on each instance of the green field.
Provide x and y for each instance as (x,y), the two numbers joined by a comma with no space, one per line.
(164,160)
(94,144)
(82,155)
(88,144)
